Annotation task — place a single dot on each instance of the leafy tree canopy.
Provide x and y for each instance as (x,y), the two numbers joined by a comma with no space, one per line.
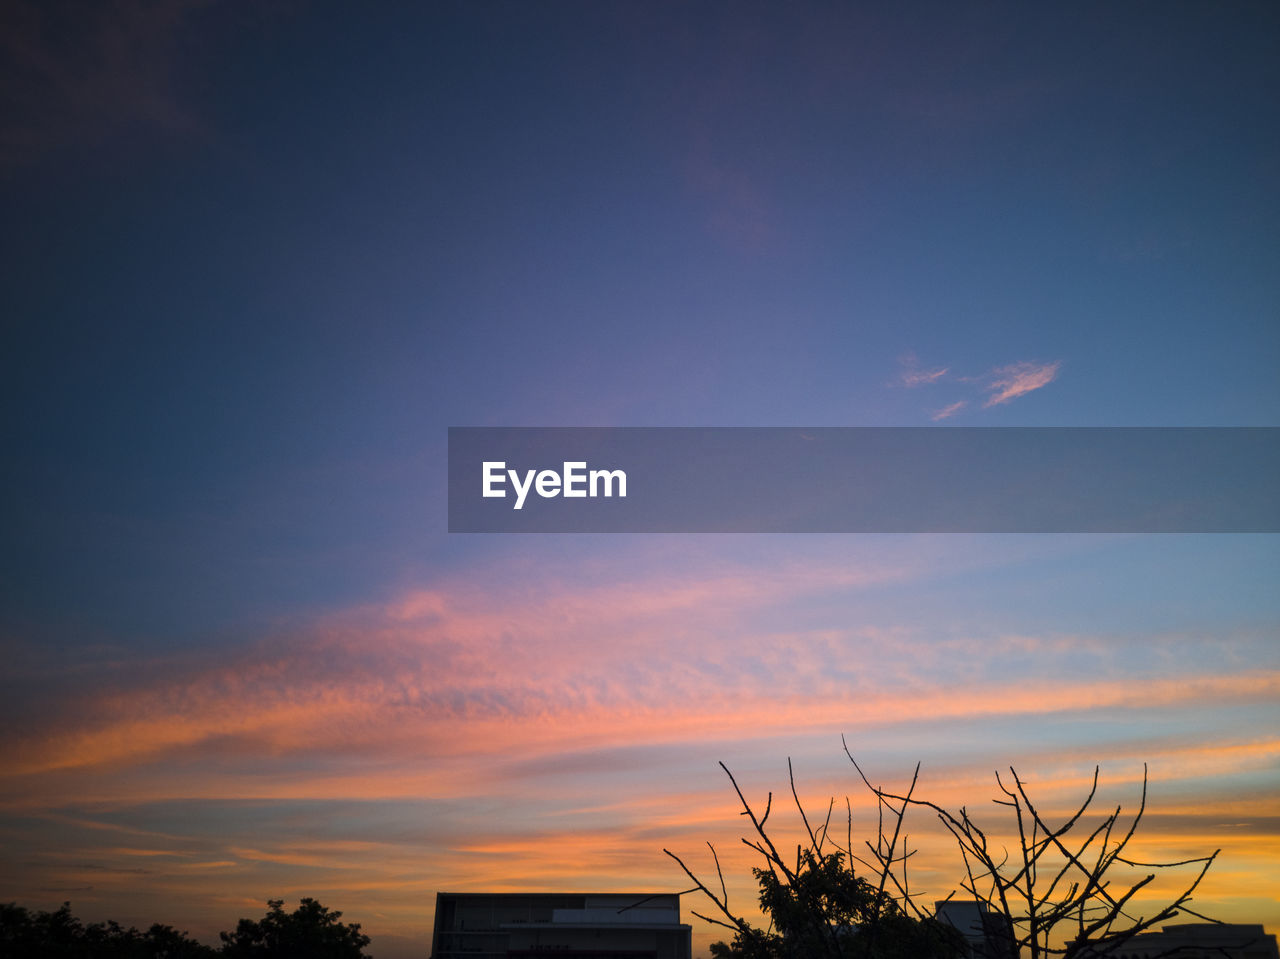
(311,931)
(60,935)
(824,909)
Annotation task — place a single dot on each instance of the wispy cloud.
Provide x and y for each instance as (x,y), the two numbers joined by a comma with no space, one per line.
(603,705)
(948,411)
(445,703)
(923,377)
(997,386)
(463,674)
(1006,383)
(912,375)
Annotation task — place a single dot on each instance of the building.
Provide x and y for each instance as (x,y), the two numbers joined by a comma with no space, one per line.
(986,933)
(569,925)
(1199,940)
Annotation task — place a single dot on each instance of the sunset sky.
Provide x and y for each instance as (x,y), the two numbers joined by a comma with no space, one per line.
(259,257)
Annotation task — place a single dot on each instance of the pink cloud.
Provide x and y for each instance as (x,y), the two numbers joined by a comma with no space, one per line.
(414,668)
(1001,384)
(602,705)
(435,703)
(467,670)
(1016,379)
(948,411)
(464,686)
(913,378)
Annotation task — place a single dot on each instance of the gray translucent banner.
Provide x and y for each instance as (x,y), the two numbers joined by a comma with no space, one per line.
(863,480)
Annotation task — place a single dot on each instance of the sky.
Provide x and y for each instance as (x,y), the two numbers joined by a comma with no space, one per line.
(258,258)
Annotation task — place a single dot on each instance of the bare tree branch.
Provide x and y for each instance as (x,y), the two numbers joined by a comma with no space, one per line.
(1059,890)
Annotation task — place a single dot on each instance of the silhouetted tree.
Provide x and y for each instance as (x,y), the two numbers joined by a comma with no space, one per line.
(309,932)
(818,906)
(26,933)
(60,935)
(1067,889)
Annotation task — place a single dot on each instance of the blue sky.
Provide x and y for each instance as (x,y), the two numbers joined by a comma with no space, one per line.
(258,260)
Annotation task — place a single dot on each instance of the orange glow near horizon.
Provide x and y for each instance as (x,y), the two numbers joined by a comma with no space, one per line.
(474,761)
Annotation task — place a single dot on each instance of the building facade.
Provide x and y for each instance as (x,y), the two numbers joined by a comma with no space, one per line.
(986,933)
(1199,940)
(568,925)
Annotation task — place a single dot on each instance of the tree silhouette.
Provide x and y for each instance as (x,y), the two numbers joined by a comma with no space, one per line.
(60,935)
(1066,889)
(309,932)
(819,907)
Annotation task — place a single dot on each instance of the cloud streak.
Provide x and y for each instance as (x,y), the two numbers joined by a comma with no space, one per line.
(913,378)
(999,385)
(556,669)
(1007,383)
(519,727)
(949,411)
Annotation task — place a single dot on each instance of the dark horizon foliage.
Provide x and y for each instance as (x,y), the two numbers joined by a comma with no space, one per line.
(827,910)
(312,930)
(60,935)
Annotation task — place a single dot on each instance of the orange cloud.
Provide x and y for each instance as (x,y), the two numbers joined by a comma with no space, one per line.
(553,731)
(464,673)
(552,708)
